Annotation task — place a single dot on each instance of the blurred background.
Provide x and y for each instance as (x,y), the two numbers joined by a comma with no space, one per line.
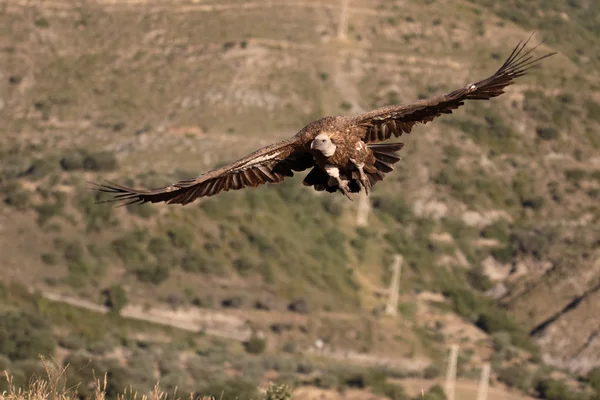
(487,231)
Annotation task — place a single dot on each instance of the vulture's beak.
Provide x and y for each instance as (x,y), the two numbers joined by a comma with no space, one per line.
(312,145)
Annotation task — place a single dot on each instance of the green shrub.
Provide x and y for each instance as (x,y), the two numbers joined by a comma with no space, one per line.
(501,340)
(53,206)
(73,252)
(516,376)
(524,186)
(96,216)
(277,392)
(115,298)
(593,378)
(478,279)
(73,341)
(547,133)
(551,389)
(326,381)
(503,254)
(432,372)
(196,261)
(141,210)
(100,161)
(155,274)
(436,392)
(16,196)
(24,335)
(48,258)
(41,167)
(244,266)
(255,345)
(499,230)
(395,207)
(180,237)
(408,310)
(72,160)
(129,249)
(234,389)
(575,175)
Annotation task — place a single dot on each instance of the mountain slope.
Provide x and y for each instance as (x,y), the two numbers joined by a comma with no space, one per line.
(500,198)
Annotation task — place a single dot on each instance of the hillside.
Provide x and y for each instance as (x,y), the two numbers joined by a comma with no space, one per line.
(494,208)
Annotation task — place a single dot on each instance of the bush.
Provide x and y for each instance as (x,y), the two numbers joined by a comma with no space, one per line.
(196,261)
(516,376)
(574,175)
(73,341)
(180,237)
(432,372)
(593,378)
(235,389)
(129,249)
(141,210)
(155,274)
(115,298)
(48,258)
(547,133)
(434,393)
(72,160)
(501,340)
(100,161)
(16,196)
(73,252)
(41,167)
(551,389)
(255,345)
(326,381)
(25,336)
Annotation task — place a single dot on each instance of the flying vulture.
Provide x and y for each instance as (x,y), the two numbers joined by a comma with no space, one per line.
(342,152)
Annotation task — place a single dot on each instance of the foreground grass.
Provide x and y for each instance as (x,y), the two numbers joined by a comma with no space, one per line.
(54,387)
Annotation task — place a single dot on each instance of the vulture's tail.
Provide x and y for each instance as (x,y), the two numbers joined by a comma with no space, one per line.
(385,158)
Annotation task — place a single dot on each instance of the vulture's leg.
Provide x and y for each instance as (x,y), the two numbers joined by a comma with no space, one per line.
(363,177)
(334,174)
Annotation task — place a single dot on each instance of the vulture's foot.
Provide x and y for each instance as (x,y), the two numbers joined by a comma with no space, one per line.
(344,188)
(334,178)
(364,181)
(342,184)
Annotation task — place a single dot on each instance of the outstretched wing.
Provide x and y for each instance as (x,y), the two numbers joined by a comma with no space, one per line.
(382,123)
(269,164)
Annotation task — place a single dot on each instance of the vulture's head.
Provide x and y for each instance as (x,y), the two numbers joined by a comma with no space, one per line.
(323,144)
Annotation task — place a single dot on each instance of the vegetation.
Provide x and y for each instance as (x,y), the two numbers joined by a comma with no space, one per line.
(114,93)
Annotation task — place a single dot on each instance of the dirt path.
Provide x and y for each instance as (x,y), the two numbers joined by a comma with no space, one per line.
(224,325)
(195,6)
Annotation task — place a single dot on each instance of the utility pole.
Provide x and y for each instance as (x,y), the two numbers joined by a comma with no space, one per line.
(362,212)
(392,305)
(483,383)
(343,23)
(451,372)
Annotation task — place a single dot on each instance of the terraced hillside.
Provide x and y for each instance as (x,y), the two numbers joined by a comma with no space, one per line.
(494,208)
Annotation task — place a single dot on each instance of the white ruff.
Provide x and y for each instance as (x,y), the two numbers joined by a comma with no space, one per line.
(329,151)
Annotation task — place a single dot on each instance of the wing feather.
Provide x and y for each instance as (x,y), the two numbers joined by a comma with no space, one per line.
(382,123)
(266,165)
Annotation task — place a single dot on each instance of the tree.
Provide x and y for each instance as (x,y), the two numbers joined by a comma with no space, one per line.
(115,298)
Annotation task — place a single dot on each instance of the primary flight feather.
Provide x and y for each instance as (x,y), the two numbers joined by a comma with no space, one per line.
(343,151)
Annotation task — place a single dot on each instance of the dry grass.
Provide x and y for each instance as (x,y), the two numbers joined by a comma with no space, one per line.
(54,387)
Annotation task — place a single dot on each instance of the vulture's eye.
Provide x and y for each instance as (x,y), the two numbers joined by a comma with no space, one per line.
(323,140)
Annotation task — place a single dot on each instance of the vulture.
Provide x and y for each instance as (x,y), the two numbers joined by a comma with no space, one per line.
(343,153)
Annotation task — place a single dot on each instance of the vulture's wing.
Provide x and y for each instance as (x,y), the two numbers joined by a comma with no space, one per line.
(384,122)
(269,164)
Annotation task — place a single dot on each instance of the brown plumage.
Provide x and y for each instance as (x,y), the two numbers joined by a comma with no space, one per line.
(341,150)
